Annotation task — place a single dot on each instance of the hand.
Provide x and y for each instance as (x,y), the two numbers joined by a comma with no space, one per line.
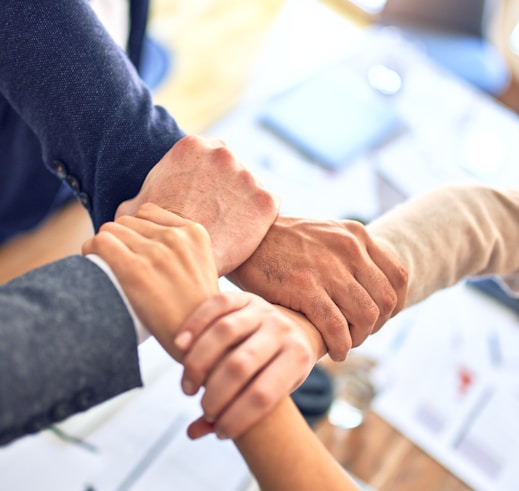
(164,264)
(247,354)
(333,272)
(200,179)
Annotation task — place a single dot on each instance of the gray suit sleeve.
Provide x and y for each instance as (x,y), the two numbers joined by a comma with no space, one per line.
(67,343)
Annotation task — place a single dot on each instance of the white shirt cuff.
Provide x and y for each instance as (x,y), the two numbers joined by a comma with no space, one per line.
(140,329)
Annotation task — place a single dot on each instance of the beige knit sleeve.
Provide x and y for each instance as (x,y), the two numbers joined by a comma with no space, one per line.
(450,233)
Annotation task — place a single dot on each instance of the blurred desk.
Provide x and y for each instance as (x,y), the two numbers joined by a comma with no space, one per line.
(379,455)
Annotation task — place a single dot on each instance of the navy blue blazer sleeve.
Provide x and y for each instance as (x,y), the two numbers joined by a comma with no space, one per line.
(79,93)
(67,344)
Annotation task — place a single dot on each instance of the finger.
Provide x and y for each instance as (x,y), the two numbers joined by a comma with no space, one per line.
(132,239)
(257,400)
(111,249)
(394,271)
(323,313)
(381,291)
(213,345)
(156,214)
(152,230)
(199,428)
(357,305)
(237,370)
(206,314)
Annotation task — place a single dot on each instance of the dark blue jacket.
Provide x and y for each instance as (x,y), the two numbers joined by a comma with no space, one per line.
(72,102)
(68,343)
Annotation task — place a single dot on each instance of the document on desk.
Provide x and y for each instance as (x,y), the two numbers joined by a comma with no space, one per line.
(451,384)
(141,446)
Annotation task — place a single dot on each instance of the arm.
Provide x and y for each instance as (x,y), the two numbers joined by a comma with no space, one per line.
(59,326)
(451,233)
(68,341)
(199,178)
(100,132)
(281,450)
(332,272)
(82,97)
(283,453)
(236,345)
(256,340)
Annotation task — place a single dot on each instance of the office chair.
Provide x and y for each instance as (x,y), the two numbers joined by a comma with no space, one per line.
(454,35)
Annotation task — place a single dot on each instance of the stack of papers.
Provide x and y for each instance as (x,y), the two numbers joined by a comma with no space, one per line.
(449,380)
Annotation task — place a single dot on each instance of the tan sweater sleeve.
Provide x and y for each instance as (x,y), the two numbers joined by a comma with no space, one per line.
(451,233)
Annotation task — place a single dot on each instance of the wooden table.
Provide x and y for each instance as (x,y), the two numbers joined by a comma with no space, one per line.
(385,459)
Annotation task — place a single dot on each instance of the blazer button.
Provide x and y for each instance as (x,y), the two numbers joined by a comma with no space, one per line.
(60,169)
(73,183)
(85,200)
(84,399)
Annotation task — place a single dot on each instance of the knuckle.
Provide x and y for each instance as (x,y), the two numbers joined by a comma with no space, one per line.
(388,302)
(351,244)
(168,235)
(189,140)
(371,314)
(226,301)
(246,181)
(401,277)
(265,201)
(261,398)
(223,156)
(304,354)
(225,329)
(238,365)
(145,209)
(198,233)
(106,227)
(356,228)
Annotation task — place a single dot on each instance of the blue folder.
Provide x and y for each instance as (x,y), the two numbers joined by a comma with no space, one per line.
(332,117)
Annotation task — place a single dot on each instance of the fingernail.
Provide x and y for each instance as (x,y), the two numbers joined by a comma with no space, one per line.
(221,435)
(183,340)
(189,387)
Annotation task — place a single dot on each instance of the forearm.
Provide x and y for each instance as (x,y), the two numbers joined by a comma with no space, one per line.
(452,233)
(80,95)
(283,453)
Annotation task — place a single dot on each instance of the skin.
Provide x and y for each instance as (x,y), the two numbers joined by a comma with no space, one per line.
(200,179)
(280,449)
(236,346)
(158,262)
(165,266)
(283,453)
(347,293)
(345,283)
